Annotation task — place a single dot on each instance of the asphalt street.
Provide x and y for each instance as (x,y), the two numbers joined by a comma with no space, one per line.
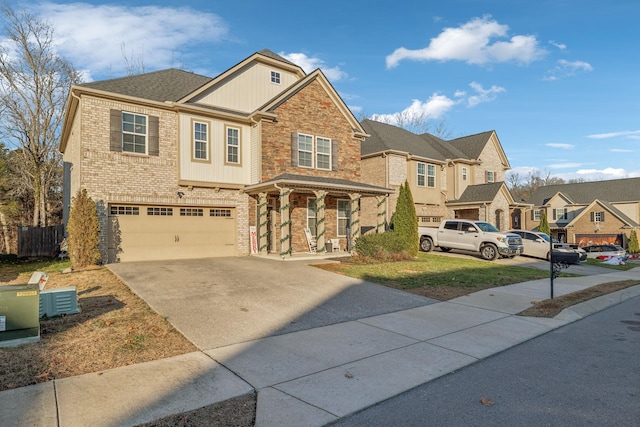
(585,373)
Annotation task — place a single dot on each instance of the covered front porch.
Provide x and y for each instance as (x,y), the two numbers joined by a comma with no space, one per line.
(307,214)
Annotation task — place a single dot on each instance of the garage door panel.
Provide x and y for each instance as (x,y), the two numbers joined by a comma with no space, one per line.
(170,235)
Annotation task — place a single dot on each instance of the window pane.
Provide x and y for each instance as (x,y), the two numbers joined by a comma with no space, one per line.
(343,217)
(134,133)
(305,150)
(233,148)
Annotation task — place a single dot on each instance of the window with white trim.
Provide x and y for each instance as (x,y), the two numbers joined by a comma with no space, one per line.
(233,145)
(597,216)
(422,174)
(560,214)
(536,214)
(431,176)
(323,153)
(200,141)
(464,174)
(275,77)
(491,176)
(312,216)
(134,133)
(343,217)
(305,150)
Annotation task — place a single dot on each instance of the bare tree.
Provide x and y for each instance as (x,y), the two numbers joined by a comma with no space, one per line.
(415,122)
(133,65)
(34,82)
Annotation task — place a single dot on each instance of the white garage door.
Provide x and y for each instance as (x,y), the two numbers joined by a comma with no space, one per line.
(144,233)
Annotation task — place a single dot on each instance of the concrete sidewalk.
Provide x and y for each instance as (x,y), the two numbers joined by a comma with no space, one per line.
(314,376)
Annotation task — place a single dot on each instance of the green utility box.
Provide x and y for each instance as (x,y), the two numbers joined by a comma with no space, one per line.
(19,314)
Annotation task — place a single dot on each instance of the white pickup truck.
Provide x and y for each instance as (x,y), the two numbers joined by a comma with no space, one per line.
(476,236)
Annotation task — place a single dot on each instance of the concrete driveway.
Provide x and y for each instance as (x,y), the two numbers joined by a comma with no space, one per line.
(216,302)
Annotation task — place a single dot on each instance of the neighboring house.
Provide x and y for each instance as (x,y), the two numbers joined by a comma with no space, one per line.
(588,212)
(183,166)
(461,178)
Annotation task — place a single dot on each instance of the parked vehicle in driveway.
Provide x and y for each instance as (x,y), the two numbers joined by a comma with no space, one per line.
(476,236)
(605,250)
(537,245)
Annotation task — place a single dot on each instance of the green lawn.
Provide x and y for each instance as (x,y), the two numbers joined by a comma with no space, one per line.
(438,276)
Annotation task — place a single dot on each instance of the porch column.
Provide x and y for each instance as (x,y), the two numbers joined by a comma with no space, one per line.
(263,230)
(285,222)
(382,214)
(321,206)
(354,218)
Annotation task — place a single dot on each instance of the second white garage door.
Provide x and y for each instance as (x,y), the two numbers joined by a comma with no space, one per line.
(144,233)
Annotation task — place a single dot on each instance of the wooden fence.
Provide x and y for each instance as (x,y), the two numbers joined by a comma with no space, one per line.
(39,241)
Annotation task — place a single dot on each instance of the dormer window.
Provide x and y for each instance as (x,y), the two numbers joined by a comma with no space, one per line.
(275,77)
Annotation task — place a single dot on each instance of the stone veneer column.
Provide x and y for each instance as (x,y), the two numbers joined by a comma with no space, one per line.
(263,230)
(355,217)
(320,219)
(285,222)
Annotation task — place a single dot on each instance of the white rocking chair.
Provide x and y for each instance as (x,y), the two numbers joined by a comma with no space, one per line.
(311,241)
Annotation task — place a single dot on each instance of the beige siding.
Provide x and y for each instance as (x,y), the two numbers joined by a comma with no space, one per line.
(250,89)
(491,161)
(629,209)
(216,170)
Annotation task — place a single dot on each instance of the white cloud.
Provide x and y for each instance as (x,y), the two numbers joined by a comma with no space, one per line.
(435,107)
(560,46)
(92,37)
(562,146)
(620,150)
(608,173)
(483,95)
(567,165)
(566,68)
(632,134)
(475,43)
(309,64)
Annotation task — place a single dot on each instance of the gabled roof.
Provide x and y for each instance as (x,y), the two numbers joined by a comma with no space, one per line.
(481,193)
(264,56)
(445,148)
(615,190)
(163,85)
(315,76)
(607,206)
(472,145)
(385,138)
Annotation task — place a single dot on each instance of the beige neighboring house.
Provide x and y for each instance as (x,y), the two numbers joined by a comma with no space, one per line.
(460,178)
(588,212)
(263,158)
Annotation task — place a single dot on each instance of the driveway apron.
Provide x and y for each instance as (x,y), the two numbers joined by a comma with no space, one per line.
(216,302)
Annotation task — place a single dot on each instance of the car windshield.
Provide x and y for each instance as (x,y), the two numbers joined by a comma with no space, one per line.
(545,236)
(485,226)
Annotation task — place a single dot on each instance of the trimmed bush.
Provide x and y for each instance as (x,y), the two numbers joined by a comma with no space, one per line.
(633,247)
(84,231)
(405,220)
(386,246)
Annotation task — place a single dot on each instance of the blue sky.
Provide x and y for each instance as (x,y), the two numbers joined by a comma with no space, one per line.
(559,80)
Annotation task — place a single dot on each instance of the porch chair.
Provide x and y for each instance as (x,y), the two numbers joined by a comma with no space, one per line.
(311,241)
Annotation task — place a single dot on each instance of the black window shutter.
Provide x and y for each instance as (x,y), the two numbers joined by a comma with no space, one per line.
(115,142)
(602,216)
(154,136)
(334,155)
(592,215)
(533,214)
(294,149)
(554,214)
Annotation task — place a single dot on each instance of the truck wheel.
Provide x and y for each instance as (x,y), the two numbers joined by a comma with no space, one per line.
(426,245)
(445,249)
(489,252)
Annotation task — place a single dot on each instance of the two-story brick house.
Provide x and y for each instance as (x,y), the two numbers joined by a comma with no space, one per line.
(461,178)
(588,212)
(183,166)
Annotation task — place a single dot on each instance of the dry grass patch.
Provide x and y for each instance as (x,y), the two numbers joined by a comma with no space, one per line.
(553,307)
(114,328)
